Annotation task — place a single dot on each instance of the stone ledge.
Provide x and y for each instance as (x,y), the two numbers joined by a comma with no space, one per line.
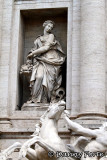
(34,107)
(27,134)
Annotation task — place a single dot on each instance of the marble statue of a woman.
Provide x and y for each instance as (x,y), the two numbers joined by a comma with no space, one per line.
(47,57)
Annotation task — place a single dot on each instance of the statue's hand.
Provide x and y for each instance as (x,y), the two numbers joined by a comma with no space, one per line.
(23,152)
(54,43)
(30,55)
(30,67)
(66,113)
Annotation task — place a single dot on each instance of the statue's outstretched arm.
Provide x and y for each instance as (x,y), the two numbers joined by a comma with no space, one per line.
(79,129)
(44,48)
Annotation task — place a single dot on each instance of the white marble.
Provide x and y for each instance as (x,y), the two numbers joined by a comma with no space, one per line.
(96,143)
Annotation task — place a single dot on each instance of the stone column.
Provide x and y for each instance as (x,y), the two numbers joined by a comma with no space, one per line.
(76,59)
(106,57)
(69,58)
(92,81)
(5,46)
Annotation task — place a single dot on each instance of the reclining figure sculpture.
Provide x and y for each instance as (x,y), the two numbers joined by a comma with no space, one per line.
(98,140)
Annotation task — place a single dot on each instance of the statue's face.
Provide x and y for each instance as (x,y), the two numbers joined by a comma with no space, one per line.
(49,27)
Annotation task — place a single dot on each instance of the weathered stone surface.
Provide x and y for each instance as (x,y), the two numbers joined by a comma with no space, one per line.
(96,143)
(44,63)
(76,58)
(92,83)
(81,31)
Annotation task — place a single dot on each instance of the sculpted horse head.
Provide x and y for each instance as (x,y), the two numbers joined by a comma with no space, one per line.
(48,139)
(50,119)
(54,111)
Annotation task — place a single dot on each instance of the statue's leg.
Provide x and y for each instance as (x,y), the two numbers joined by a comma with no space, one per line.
(38,83)
(26,150)
(44,145)
(31,154)
(26,146)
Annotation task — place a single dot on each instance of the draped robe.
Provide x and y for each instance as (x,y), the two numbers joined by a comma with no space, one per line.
(46,74)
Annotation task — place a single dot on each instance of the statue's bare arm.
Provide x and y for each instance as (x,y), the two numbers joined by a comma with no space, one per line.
(45,48)
(81,130)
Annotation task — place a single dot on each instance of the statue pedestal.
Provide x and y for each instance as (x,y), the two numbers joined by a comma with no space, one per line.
(35,107)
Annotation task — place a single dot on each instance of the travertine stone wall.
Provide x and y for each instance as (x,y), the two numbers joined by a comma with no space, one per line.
(90,33)
(69,57)
(106,55)
(76,59)
(1,14)
(92,83)
(92,75)
(6,9)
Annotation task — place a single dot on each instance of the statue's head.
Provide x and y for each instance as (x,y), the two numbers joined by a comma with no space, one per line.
(48,25)
(104,126)
(56,109)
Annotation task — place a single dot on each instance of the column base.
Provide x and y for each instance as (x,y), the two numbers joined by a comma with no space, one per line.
(90,120)
(5,124)
(92,116)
